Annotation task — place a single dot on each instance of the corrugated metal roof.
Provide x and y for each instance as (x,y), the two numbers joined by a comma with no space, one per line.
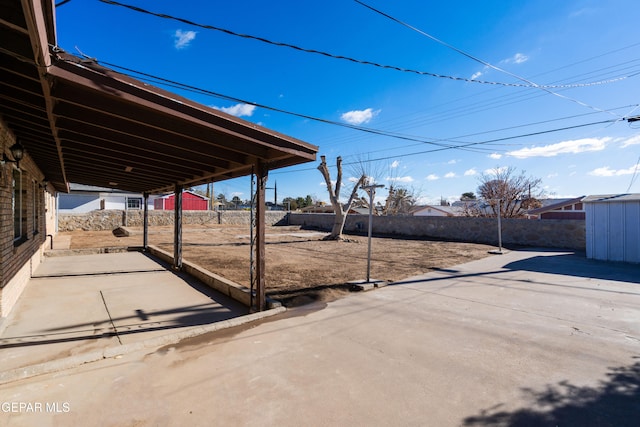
(607,198)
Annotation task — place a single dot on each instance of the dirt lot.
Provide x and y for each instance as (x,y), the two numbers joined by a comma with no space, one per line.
(300,266)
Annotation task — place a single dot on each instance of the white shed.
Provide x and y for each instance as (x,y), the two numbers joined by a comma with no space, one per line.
(613,227)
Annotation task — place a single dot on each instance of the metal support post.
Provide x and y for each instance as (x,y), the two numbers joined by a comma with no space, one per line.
(261,177)
(177,229)
(499,226)
(371,189)
(145,222)
(252,242)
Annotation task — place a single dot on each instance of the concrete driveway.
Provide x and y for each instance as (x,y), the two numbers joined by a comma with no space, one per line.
(526,338)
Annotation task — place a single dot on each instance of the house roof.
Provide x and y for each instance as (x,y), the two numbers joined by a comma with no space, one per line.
(605,198)
(449,210)
(84,123)
(92,189)
(551,205)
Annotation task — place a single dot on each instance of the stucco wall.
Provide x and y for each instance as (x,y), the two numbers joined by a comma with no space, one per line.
(568,234)
(112,219)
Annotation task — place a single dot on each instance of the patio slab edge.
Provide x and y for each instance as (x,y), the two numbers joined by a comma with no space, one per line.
(113,351)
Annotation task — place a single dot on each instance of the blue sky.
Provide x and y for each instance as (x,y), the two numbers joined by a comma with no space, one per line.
(544,42)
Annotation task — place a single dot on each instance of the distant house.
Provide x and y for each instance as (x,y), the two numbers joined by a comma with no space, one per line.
(559,209)
(322,208)
(613,227)
(86,198)
(437,210)
(190,202)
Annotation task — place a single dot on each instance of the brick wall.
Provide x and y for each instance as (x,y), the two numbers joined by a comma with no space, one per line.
(18,257)
(569,234)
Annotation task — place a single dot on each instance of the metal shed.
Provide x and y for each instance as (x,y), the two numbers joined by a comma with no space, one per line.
(613,227)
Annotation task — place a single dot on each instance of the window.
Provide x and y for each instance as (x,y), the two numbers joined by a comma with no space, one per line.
(134,203)
(19,207)
(36,207)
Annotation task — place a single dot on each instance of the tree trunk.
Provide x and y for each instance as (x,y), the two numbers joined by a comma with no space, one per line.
(334,195)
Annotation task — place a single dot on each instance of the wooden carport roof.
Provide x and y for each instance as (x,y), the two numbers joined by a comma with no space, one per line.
(88,124)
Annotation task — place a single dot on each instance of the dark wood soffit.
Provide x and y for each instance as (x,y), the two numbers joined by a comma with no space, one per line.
(176,110)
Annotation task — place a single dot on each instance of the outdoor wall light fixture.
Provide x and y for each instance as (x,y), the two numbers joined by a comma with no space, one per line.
(17,151)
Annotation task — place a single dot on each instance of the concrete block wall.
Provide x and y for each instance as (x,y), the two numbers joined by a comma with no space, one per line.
(112,219)
(568,234)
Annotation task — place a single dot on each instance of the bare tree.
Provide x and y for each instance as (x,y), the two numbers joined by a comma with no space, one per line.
(339,209)
(516,193)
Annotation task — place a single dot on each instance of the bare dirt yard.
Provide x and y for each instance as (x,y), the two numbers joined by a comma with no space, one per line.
(300,266)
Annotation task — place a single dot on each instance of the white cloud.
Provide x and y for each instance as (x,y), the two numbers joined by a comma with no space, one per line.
(476,75)
(452,162)
(607,172)
(495,171)
(237,193)
(518,58)
(450,175)
(432,177)
(565,147)
(552,175)
(634,140)
(495,156)
(401,179)
(352,179)
(183,38)
(470,172)
(238,110)
(395,164)
(358,117)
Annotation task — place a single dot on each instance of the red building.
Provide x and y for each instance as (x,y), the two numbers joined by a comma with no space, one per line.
(190,202)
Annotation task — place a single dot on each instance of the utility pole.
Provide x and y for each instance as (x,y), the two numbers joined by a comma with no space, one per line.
(499,251)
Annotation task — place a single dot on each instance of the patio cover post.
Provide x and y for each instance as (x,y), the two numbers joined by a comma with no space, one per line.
(145,222)
(177,228)
(261,176)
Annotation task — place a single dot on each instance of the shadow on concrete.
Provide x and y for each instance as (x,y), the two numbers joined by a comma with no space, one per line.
(571,264)
(215,308)
(613,402)
(185,317)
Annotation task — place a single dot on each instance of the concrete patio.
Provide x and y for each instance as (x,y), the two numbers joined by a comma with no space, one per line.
(82,307)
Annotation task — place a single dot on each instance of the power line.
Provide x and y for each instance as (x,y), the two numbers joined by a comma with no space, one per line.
(347,58)
(635,175)
(167,82)
(495,102)
(513,127)
(467,145)
(485,63)
(436,142)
